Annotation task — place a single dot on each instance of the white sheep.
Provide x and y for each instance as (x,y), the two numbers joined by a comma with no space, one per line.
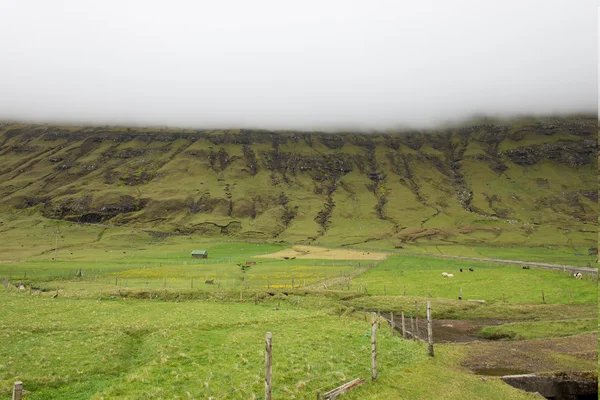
(444,274)
(578,275)
(450,275)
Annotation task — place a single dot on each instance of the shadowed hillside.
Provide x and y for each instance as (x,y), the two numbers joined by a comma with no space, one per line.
(531,182)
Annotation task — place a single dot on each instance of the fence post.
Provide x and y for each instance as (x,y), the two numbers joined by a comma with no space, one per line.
(392,324)
(460,295)
(412,325)
(378,319)
(404,292)
(17,390)
(417,319)
(384,291)
(429,330)
(268,348)
(403,326)
(292,283)
(543,298)
(373,347)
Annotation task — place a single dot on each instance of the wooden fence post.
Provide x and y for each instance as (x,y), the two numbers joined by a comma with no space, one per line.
(373,347)
(417,319)
(429,330)
(268,348)
(543,298)
(404,292)
(412,325)
(460,295)
(392,323)
(403,326)
(292,283)
(378,319)
(17,390)
(384,291)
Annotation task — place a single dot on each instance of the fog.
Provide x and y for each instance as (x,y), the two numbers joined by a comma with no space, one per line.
(295,65)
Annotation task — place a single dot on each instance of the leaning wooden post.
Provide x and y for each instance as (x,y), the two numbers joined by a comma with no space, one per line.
(17,391)
(392,324)
(373,347)
(543,298)
(412,326)
(378,319)
(268,348)
(429,330)
(403,326)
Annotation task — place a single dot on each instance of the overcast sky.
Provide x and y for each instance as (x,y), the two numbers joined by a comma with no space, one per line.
(308,64)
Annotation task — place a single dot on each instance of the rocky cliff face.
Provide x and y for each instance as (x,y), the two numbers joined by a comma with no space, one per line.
(483,183)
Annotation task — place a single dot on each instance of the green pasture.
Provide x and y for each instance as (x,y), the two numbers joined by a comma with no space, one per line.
(540,329)
(89,349)
(422,276)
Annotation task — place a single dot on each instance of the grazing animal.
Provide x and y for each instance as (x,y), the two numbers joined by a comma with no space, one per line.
(471,269)
(525,266)
(210,281)
(461,270)
(250,262)
(444,274)
(450,276)
(578,275)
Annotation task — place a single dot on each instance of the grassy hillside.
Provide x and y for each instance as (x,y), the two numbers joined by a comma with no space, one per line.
(531,182)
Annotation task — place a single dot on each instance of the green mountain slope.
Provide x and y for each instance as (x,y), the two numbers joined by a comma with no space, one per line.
(531,181)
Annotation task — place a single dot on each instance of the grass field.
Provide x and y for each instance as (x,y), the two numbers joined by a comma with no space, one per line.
(142,323)
(80,349)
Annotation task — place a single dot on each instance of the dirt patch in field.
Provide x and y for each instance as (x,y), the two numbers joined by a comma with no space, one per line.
(322,253)
(447,330)
(575,353)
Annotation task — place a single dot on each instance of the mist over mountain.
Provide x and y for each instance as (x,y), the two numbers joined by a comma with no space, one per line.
(308,66)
